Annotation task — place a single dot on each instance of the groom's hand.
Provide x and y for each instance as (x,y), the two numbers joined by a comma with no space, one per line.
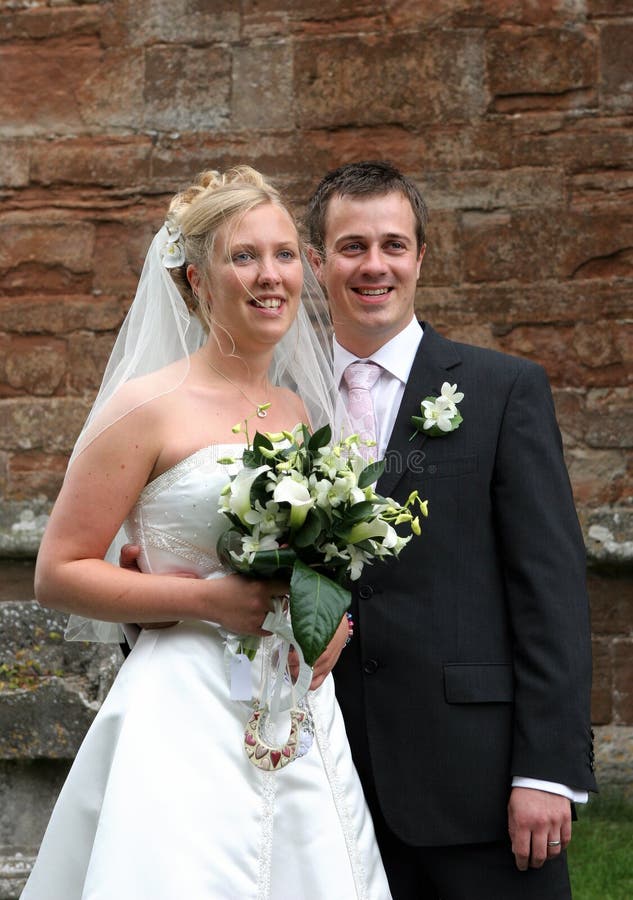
(128,559)
(534,819)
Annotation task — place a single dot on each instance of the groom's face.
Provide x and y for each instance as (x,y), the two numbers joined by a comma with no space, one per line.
(370,268)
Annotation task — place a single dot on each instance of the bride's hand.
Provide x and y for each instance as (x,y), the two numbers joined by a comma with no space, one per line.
(241,604)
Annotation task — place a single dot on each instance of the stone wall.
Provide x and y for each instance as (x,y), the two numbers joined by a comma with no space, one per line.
(514,117)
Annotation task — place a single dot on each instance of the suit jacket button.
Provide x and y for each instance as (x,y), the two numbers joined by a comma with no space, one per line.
(365,592)
(370,666)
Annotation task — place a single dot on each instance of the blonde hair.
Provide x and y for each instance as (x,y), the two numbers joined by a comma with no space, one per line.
(208,204)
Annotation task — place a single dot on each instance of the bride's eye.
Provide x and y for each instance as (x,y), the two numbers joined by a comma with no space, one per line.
(243,256)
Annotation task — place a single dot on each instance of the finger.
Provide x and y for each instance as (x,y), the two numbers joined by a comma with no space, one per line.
(521,857)
(539,849)
(565,833)
(554,846)
(317,681)
(129,555)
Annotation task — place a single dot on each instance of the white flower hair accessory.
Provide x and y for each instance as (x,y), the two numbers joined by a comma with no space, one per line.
(440,415)
(173,250)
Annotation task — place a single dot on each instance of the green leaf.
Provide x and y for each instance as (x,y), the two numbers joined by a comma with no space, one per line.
(371,473)
(309,531)
(317,605)
(251,459)
(320,438)
(260,440)
(418,422)
(258,490)
(305,432)
(359,512)
(269,563)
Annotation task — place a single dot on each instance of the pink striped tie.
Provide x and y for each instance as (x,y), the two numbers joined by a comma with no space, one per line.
(360,378)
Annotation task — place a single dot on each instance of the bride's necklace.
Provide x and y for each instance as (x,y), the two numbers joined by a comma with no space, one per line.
(260,408)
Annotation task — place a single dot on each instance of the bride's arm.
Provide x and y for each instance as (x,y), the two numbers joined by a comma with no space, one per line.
(100,488)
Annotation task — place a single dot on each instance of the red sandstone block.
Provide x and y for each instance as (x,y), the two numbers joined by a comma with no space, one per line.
(616,70)
(57,315)
(14,164)
(34,473)
(267,71)
(611,600)
(601,693)
(41,23)
(145,22)
(177,158)
(121,248)
(570,412)
(546,61)
(119,162)
(599,477)
(594,343)
(186,87)
(402,79)
(534,12)
(520,244)
(610,417)
(87,358)
(50,425)
(64,243)
(623,679)
(112,96)
(44,81)
(35,365)
(598,243)
(441,261)
(576,144)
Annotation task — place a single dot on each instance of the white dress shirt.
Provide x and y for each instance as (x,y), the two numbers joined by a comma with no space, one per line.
(396,360)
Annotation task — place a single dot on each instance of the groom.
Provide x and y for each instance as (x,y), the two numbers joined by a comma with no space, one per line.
(466,688)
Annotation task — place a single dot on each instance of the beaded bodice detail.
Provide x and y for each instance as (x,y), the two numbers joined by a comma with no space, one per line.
(175,520)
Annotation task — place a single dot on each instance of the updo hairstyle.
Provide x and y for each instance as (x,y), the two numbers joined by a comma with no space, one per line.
(205,206)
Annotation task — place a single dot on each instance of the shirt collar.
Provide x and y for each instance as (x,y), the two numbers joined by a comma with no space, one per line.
(396,356)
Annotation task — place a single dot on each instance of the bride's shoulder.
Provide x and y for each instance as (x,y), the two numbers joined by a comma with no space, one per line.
(140,392)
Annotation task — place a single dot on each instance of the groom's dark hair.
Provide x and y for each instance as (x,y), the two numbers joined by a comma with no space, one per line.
(362,179)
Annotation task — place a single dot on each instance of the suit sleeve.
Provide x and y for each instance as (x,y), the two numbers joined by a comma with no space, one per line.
(544,566)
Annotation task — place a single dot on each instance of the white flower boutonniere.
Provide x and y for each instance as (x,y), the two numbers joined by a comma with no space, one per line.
(440,415)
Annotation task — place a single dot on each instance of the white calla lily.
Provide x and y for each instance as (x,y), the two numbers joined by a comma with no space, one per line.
(238,500)
(298,496)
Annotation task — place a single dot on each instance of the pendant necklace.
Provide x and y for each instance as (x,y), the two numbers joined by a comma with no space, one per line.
(260,408)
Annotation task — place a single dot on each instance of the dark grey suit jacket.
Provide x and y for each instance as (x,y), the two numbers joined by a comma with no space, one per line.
(472,661)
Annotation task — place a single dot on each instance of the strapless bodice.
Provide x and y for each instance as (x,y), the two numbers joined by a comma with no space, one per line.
(175,520)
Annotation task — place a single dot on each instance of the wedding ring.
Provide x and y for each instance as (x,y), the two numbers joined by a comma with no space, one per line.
(553,843)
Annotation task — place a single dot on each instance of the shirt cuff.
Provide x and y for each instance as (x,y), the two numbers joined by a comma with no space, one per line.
(552,787)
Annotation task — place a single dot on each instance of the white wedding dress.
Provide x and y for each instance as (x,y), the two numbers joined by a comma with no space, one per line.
(161,802)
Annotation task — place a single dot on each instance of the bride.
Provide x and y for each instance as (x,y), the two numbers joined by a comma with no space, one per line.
(162,801)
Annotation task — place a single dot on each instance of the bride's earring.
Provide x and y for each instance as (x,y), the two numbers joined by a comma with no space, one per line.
(265,756)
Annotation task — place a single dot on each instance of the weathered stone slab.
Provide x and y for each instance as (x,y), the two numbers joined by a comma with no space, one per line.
(50,688)
(613,745)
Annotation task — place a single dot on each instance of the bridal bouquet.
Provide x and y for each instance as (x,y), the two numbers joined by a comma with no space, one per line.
(304,507)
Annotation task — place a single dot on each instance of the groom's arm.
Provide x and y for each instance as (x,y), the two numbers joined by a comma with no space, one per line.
(545,578)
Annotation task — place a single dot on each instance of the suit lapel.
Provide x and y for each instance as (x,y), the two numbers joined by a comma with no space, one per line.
(436,356)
